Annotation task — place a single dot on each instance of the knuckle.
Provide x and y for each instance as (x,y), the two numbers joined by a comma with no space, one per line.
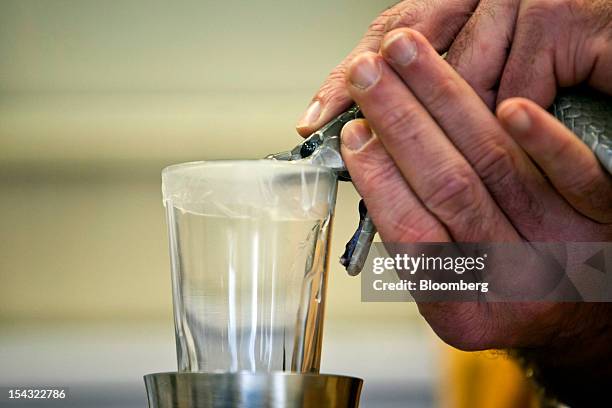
(515,194)
(376,174)
(337,74)
(337,98)
(495,165)
(444,90)
(562,150)
(413,226)
(333,90)
(454,198)
(405,14)
(499,170)
(397,122)
(541,11)
(378,27)
(398,220)
(585,183)
(410,14)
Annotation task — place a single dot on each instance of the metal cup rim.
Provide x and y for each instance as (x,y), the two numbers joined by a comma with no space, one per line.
(252,374)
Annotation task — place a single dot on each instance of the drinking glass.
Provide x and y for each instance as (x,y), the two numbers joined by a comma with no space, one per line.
(249,247)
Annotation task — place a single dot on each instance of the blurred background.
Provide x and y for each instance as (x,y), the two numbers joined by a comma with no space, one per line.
(95,99)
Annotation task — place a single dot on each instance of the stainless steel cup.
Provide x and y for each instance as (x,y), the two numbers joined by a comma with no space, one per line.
(252,390)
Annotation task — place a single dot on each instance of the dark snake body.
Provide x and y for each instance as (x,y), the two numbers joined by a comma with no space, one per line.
(589,115)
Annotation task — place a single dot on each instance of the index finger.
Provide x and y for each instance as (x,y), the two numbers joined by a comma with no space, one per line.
(438,20)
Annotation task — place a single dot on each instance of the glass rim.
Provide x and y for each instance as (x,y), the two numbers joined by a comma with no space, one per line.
(168,170)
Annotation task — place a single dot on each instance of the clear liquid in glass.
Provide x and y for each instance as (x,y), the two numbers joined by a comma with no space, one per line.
(249,291)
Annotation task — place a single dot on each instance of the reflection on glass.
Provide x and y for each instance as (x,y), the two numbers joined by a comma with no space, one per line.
(249,249)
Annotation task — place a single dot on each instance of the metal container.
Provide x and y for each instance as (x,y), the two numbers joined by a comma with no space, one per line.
(252,390)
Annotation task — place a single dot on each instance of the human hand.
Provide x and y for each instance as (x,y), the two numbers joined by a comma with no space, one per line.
(439,20)
(434,164)
(530,48)
(503,48)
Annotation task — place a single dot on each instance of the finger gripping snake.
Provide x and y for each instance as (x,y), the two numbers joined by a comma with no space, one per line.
(586,112)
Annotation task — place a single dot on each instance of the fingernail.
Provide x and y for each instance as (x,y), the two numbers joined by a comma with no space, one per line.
(364,71)
(311,115)
(516,118)
(400,48)
(354,136)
